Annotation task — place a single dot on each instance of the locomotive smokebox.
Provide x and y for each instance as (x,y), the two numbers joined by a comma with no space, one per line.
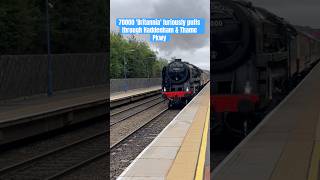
(178,72)
(230,34)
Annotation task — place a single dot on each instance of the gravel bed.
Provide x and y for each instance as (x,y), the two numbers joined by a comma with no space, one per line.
(116,118)
(125,152)
(124,128)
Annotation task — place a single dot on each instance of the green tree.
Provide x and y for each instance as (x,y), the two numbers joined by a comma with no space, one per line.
(141,60)
(76,26)
(18,26)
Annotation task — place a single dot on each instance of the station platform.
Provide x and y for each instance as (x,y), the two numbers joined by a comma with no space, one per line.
(285,145)
(22,118)
(123,97)
(181,150)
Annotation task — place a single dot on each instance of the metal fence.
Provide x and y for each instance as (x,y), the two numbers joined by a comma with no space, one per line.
(27,75)
(118,85)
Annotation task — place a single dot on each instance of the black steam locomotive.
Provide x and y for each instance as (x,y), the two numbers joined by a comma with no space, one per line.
(181,81)
(255,57)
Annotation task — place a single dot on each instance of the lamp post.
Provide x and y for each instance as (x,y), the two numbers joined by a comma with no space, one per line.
(147,70)
(125,69)
(49,90)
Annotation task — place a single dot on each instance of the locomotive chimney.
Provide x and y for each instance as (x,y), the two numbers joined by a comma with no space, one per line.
(178,60)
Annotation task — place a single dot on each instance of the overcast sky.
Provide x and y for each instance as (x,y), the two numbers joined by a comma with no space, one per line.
(196,48)
(192,48)
(297,12)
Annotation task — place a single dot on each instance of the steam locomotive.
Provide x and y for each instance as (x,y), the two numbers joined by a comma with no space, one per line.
(181,81)
(255,57)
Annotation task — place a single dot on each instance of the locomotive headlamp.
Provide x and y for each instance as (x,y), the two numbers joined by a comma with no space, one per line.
(187,89)
(164,89)
(247,88)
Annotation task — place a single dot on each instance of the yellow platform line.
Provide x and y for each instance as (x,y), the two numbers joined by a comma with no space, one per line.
(185,164)
(314,171)
(202,155)
(314,167)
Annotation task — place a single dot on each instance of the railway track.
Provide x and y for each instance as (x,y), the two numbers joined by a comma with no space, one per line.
(138,128)
(118,116)
(66,158)
(59,161)
(121,109)
(132,120)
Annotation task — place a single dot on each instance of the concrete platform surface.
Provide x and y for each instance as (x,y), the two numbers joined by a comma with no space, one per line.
(286,144)
(18,109)
(134,92)
(175,152)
